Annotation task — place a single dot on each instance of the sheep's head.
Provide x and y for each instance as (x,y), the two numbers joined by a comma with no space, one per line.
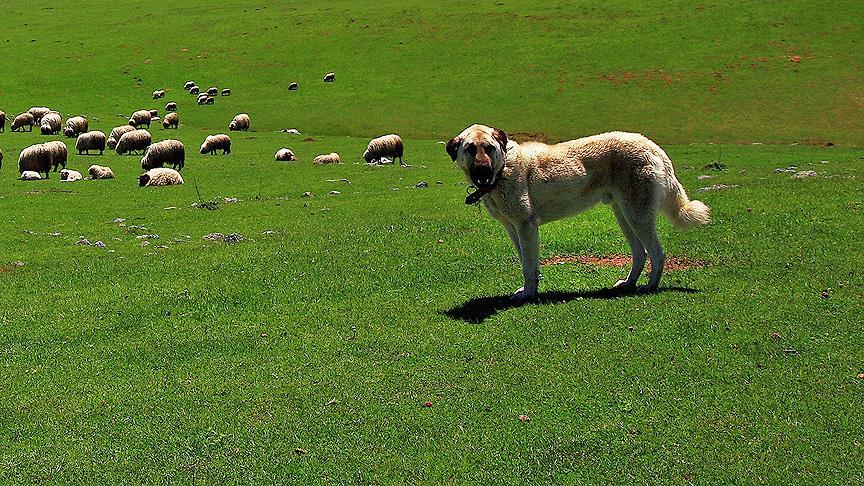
(143,179)
(69,132)
(232,125)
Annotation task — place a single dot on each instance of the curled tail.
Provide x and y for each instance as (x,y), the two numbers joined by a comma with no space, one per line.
(680,210)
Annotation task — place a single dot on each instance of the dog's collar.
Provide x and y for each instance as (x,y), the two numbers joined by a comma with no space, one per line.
(475,197)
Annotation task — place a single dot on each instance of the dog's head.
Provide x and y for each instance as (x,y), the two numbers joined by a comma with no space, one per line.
(479,151)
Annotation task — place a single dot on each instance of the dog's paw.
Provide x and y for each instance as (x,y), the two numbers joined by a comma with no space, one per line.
(646,289)
(624,286)
(522,296)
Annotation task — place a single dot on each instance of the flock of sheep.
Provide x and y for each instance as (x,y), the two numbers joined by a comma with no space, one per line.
(135,138)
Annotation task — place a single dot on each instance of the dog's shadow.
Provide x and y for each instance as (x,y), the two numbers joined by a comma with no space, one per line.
(479,309)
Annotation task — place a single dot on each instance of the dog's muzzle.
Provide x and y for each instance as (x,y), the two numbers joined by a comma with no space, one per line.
(483,176)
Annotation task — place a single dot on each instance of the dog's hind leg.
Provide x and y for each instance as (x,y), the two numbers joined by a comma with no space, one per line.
(636,249)
(643,222)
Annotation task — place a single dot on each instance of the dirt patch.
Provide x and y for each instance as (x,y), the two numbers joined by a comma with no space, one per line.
(816,142)
(50,191)
(308,139)
(621,261)
(520,137)
(11,267)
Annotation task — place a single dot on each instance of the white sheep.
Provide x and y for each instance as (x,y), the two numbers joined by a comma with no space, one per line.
(68,175)
(329,77)
(140,118)
(29,175)
(331,158)
(134,141)
(51,123)
(22,121)
(159,93)
(226,92)
(100,172)
(94,140)
(2,121)
(212,91)
(35,158)
(194,90)
(160,176)
(57,153)
(216,142)
(285,155)
(293,86)
(75,125)
(38,112)
(171,106)
(240,122)
(188,85)
(165,152)
(384,146)
(202,98)
(116,133)
(171,120)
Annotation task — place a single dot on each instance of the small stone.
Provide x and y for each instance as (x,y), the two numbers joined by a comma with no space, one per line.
(169,208)
(804,174)
(427,404)
(83,241)
(826,293)
(422,185)
(334,193)
(861,376)
(300,451)
(307,194)
(439,182)
(234,238)
(786,170)
(631,328)
(269,232)
(704,177)
(147,237)
(215,236)
(144,243)
(524,418)
(718,187)
(229,200)
(776,336)
(749,210)
(440,241)
(119,220)
(99,244)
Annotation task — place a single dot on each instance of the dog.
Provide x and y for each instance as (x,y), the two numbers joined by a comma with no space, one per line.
(529,184)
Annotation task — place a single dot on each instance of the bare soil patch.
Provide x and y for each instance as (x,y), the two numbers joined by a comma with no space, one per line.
(618,260)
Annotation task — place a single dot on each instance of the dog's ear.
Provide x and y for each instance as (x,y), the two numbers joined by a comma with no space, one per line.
(501,138)
(453,147)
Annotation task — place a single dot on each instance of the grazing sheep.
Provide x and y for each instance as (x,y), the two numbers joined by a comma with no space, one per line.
(116,133)
(226,92)
(134,141)
(29,175)
(171,106)
(68,175)
(202,98)
(172,120)
(94,140)
(164,152)
(154,114)
(188,85)
(216,142)
(384,146)
(160,176)
(57,153)
(21,121)
(212,91)
(210,101)
(100,172)
(331,158)
(240,122)
(140,118)
(329,77)
(290,131)
(293,86)
(159,93)
(75,126)
(38,112)
(285,155)
(2,121)
(194,90)
(51,123)
(35,158)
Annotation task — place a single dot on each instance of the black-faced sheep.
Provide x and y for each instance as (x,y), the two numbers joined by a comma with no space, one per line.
(35,158)
(216,142)
(134,141)
(22,121)
(116,133)
(194,90)
(202,99)
(160,176)
(164,152)
(159,93)
(75,126)
(188,85)
(239,123)
(329,77)
(68,175)
(293,86)
(171,120)
(51,123)
(285,155)
(100,172)
(226,92)
(171,106)
(86,142)
(384,146)
(212,91)
(331,158)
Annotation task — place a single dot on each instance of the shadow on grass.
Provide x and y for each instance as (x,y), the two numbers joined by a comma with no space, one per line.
(479,309)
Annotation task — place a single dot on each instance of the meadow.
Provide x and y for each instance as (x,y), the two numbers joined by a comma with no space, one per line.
(309,350)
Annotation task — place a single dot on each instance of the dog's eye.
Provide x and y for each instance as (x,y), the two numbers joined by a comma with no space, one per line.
(488,148)
(471,149)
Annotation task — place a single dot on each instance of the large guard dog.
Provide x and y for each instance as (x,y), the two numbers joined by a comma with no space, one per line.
(526,185)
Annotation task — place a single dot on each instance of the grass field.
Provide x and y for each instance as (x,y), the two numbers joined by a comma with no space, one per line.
(306,351)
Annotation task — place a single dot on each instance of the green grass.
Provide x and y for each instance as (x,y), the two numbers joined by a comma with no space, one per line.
(305,355)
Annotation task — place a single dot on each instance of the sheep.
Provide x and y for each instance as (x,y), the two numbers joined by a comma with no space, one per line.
(2,121)
(216,142)
(140,117)
(51,123)
(331,158)
(160,176)
(100,172)
(154,114)
(240,122)
(57,153)
(171,106)
(172,120)
(329,77)
(159,93)
(35,158)
(293,86)
(38,112)
(290,131)
(210,101)
(194,90)
(134,141)
(384,146)
(202,98)
(164,152)
(94,140)
(116,133)
(75,125)
(21,121)
(29,175)
(68,175)
(212,91)
(226,92)
(188,85)
(285,155)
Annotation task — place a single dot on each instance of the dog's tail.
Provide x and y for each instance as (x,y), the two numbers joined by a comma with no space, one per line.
(680,210)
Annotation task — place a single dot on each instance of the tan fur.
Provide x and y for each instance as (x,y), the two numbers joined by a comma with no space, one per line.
(533,184)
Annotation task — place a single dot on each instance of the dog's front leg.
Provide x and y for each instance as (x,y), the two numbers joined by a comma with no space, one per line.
(529,243)
(514,237)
